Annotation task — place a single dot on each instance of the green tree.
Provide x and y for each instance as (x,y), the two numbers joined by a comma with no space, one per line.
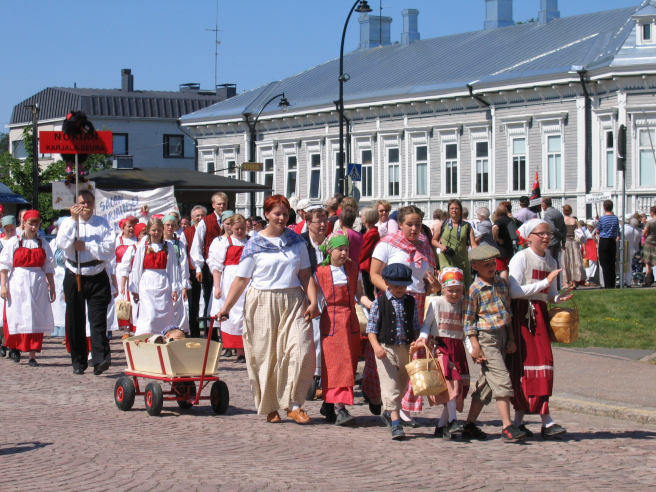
(4,142)
(17,175)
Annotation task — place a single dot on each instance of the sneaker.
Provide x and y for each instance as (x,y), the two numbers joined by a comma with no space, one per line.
(552,431)
(344,418)
(525,430)
(32,363)
(455,427)
(328,411)
(470,431)
(397,433)
(385,417)
(443,433)
(512,433)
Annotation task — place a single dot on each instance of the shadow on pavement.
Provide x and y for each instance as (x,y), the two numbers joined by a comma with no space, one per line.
(23,447)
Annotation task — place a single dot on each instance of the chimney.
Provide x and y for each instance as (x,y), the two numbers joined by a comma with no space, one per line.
(548,11)
(127,80)
(226,91)
(374,31)
(410,32)
(499,13)
(190,87)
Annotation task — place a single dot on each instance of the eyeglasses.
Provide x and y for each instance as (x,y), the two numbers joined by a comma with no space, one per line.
(543,234)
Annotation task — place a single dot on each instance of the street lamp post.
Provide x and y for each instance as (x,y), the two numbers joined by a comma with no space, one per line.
(35,154)
(284,105)
(362,6)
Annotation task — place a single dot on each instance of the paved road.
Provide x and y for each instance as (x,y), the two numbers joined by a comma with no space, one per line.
(63,432)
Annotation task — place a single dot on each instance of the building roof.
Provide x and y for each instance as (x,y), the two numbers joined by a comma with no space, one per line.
(447,63)
(57,102)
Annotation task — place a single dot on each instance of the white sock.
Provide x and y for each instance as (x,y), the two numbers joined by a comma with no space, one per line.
(519,417)
(547,421)
(451,407)
(444,418)
(405,417)
(338,406)
(295,407)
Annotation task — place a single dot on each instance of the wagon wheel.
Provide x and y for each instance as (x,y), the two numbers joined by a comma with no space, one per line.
(154,399)
(124,393)
(187,389)
(219,397)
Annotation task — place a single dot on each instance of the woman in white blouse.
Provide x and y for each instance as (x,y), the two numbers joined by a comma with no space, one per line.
(278,336)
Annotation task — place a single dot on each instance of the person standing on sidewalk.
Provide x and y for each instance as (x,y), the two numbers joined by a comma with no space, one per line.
(556,222)
(198,213)
(94,247)
(608,228)
(533,283)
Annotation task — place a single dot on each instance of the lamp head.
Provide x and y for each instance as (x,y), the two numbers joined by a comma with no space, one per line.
(284,104)
(345,77)
(363,7)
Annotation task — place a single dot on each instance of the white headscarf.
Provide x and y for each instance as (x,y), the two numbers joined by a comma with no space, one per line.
(528,227)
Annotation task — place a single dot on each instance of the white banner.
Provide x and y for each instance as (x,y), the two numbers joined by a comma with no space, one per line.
(115,205)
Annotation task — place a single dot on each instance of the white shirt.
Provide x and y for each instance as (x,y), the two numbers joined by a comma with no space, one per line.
(516,269)
(219,250)
(389,255)
(135,268)
(389,227)
(196,250)
(10,247)
(317,250)
(633,236)
(116,269)
(339,275)
(270,270)
(98,239)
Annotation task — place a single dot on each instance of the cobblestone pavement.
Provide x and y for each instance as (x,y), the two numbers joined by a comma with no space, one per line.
(63,432)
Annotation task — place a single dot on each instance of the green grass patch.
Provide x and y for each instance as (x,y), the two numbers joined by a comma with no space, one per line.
(616,319)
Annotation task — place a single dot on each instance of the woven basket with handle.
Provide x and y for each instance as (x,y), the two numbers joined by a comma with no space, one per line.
(564,323)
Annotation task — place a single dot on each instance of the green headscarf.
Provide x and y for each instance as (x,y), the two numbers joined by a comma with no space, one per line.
(334,241)
(170,217)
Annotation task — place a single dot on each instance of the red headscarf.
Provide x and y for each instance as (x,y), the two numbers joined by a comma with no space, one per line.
(31,214)
(138,228)
(122,222)
(158,216)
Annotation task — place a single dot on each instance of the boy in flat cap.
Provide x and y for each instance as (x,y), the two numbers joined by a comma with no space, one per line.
(393,325)
(487,319)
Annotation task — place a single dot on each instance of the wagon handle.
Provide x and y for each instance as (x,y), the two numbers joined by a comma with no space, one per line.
(210,329)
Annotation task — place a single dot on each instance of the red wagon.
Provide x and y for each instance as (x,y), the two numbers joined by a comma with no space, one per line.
(177,364)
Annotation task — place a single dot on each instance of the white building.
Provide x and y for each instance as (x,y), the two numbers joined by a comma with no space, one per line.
(471,116)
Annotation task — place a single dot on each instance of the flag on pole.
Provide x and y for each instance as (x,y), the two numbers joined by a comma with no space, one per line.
(535,194)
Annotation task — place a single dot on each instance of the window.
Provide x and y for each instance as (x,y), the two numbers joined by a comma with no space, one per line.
(554,160)
(210,167)
(421,155)
(18,149)
(610,160)
(519,164)
(292,166)
(367,173)
(647,162)
(315,176)
(120,144)
(482,168)
(646,32)
(337,175)
(393,172)
(231,169)
(451,175)
(173,146)
(268,176)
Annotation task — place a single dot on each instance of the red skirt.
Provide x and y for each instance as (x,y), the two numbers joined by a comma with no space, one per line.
(531,366)
(232,341)
(24,342)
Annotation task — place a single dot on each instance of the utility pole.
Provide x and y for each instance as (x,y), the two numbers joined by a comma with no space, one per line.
(35,154)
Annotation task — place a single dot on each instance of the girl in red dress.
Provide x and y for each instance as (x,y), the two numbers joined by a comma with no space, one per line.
(341,282)
(127,240)
(28,287)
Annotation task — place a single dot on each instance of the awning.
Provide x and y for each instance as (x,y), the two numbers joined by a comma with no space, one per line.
(8,196)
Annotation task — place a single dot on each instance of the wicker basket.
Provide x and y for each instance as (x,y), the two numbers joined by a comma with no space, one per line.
(362,318)
(564,324)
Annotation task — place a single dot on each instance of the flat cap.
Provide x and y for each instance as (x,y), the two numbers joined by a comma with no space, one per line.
(483,252)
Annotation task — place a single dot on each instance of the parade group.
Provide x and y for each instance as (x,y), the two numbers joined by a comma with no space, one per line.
(286,290)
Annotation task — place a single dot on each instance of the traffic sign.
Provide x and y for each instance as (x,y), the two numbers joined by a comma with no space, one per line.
(354,171)
(252,166)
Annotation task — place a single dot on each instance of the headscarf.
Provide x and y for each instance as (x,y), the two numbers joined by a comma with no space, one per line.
(226,214)
(129,218)
(169,217)
(334,241)
(158,216)
(8,220)
(528,227)
(31,214)
(138,228)
(185,221)
(451,276)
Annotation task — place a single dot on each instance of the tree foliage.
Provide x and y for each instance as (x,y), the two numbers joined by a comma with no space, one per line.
(17,175)
(4,142)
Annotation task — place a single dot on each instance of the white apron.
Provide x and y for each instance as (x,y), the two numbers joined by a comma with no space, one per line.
(180,310)
(59,306)
(234,325)
(28,306)
(155,303)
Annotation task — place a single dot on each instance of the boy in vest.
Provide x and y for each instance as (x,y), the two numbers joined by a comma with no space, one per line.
(393,325)
(487,318)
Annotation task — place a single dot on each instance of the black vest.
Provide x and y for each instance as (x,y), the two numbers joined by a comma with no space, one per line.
(387,320)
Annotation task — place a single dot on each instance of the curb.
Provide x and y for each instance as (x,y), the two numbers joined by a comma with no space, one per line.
(591,407)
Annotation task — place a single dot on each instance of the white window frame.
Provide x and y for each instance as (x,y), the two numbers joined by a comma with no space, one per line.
(480,133)
(419,139)
(641,22)
(548,154)
(265,150)
(288,151)
(553,125)
(484,162)
(397,171)
(365,144)
(605,152)
(392,141)
(516,127)
(230,171)
(639,149)
(208,154)
(313,148)
(447,135)
(512,155)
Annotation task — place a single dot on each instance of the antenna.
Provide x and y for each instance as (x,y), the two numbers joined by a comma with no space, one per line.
(216,31)
(380,22)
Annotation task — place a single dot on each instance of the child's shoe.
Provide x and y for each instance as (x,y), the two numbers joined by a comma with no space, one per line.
(373,408)
(328,411)
(552,431)
(387,420)
(455,427)
(470,431)
(443,433)
(397,433)
(512,433)
(344,418)
(525,430)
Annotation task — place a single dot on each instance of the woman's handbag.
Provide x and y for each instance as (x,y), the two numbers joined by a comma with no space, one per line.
(426,376)
(123,309)
(564,324)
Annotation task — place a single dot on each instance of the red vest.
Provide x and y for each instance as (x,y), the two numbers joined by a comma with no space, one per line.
(29,258)
(120,251)
(233,255)
(155,261)
(189,233)
(212,231)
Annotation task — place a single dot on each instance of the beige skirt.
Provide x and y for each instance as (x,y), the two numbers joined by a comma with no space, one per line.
(572,263)
(279,348)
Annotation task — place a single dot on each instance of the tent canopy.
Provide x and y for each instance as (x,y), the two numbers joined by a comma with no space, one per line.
(8,196)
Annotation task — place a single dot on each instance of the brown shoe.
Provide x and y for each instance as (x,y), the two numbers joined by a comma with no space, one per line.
(273,418)
(64,341)
(125,336)
(300,416)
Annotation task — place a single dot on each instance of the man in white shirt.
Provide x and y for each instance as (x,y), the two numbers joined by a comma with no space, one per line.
(94,245)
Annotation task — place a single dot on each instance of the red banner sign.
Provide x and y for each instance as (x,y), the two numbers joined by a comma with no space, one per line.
(100,142)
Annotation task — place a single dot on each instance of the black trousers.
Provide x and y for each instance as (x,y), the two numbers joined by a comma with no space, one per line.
(369,289)
(95,296)
(194,304)
(208,290)
(607,258)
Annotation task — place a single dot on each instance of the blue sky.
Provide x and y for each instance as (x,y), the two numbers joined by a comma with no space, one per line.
(164,42)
